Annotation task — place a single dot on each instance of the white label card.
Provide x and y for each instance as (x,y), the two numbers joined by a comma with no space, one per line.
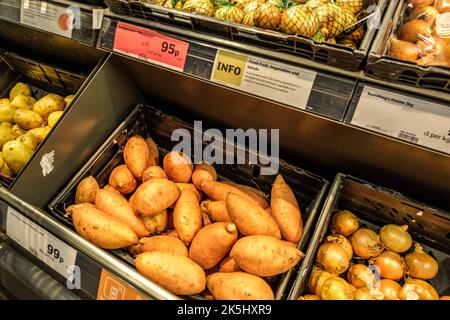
(417,121)
(39,242)
(97,18)
(48,17)
(265,78)
(443,24)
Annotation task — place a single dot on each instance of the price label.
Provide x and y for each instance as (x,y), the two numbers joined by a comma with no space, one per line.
(151,46)
(404,117)
(39,242)
(48,17)
(97,18)
(443,24)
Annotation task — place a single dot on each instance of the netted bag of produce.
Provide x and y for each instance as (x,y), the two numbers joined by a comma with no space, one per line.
(423,36)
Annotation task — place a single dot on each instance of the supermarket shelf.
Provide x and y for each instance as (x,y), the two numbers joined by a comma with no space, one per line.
(89,258)
(208,40)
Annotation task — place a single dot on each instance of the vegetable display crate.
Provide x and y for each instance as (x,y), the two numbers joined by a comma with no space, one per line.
(384,67)
(35,16)
(375,207)
(331,54)
(41,79)
(150,122)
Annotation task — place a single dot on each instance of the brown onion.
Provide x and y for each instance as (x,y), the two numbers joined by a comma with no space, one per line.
(333,258)
(366,243)
(420,3)
(343,242)
(323,277)
(415,289)
(396,238)
(444,298)
(344,222)
(313,278)
(421,265)
(403,50)
(389,265)
(427,13)
(442,6)
(389,288)
(309,297)
(367,293)
(414,30)
(443,59)
(360,276)
(336,288)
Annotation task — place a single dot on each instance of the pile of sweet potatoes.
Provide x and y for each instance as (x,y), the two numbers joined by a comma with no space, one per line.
(222,247)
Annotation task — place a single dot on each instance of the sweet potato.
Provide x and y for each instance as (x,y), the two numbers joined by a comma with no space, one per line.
(238,286)
(69,209)
(190,186)
(172,233)
(162,243)
(219,190)
(111,188)
(257,195)
(228,265)
(102,229)
(86,190)
(156,224)
(216,210)
(178,274)
(285,210)
(153,160)
(117,206)
(153,172)
(136,155)
(154,196)
(250,219)
(178,167)
(203,171)
(212,243)
(122,179)
(187,216)
(265,256)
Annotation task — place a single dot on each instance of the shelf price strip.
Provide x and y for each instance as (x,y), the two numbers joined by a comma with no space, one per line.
(39,242)
(48,17)
(150,46)
(404,117)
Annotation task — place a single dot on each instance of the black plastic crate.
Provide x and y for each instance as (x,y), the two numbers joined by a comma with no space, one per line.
(375,207)
(384,67)
(330,54)
(41,79)
(148,121)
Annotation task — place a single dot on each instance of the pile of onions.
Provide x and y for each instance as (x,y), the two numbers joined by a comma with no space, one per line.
(336,288)
(333,258)
(420,264)
(360,276)
(344,223)
(389,288)
(366,243)
(313,278)
(341,241)
(389,265)
(415,289)
(367,293)
(309,297)
(396,238)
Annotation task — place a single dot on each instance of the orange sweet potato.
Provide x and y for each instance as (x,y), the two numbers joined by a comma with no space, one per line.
(136,155)
(153,159)
(203,171)
(122,179)
(86,190)
(162,243)
(153,172)
(178,167)
(187,216)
